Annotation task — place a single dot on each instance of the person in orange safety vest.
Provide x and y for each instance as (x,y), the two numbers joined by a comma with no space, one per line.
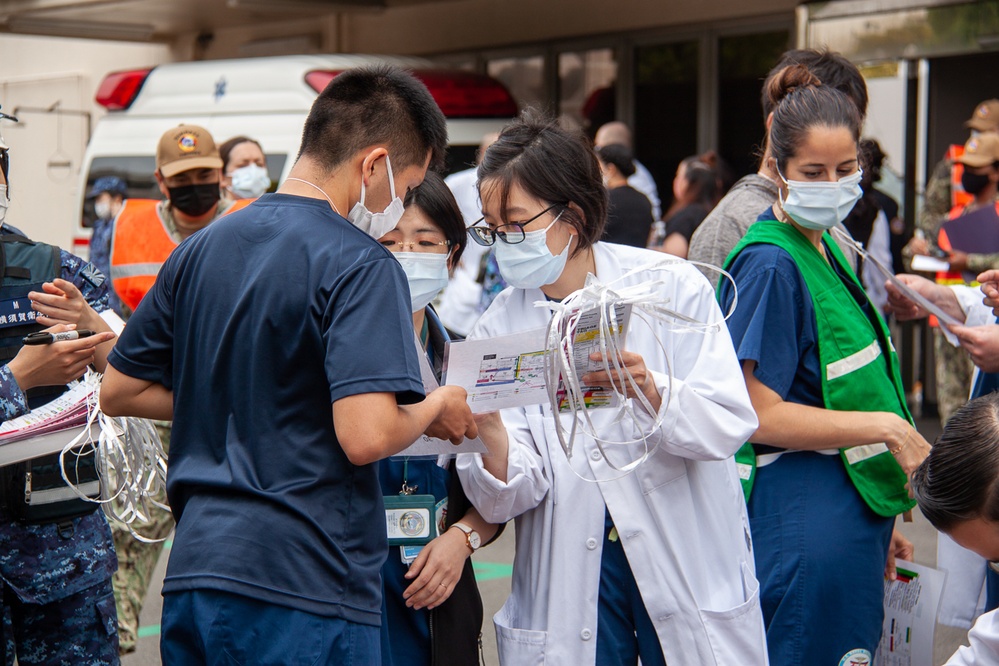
(188,172)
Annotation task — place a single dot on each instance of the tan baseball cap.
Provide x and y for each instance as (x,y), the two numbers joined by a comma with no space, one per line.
(985,118)
(981,150)
(186,147)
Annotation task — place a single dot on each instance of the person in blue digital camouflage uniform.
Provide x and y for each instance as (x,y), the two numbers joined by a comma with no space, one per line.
(56,603)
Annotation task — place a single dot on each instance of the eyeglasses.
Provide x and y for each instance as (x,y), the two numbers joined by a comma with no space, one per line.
(422,245)
(511,233)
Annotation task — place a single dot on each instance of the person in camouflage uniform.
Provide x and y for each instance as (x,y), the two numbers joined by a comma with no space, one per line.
(137,560)
(954,368)
(56,604)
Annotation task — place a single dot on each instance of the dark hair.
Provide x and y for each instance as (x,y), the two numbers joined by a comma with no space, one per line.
(553,165)
(832,68)
(365,106)
(618,155)
(871,158)
(800,103)
(959,480)
(435,199)
(702,182)
(225,150)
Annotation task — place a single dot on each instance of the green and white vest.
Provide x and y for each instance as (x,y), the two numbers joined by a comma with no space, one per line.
(860,370)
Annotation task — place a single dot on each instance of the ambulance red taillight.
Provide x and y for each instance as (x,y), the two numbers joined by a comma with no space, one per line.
(458,94)
(119,89)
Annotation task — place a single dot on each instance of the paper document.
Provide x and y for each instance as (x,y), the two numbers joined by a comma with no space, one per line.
(889,275)
(925,264)
(69,410)
(431,446)
(911,604)
(586,341)
(501,372)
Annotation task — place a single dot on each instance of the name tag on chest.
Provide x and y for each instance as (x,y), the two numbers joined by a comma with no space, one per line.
(409,519)
(16,312)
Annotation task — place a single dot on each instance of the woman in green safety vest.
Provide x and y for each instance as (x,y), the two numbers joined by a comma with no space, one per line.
(828,466)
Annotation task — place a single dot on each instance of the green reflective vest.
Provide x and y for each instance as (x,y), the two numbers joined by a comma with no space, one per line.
(859,367)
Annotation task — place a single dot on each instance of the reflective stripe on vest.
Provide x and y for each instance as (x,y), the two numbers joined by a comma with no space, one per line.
(140,243)
(861,371)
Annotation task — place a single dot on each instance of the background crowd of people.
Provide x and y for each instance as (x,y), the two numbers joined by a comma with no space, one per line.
(276,337)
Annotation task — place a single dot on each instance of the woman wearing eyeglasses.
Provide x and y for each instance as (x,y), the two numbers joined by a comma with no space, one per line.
(653,565)
(432,611)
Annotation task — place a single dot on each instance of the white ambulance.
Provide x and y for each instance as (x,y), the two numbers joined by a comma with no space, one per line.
(266,99)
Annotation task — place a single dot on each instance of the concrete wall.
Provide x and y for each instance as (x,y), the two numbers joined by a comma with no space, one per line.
(47,148)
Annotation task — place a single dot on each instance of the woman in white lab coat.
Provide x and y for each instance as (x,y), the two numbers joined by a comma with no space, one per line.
(656,564)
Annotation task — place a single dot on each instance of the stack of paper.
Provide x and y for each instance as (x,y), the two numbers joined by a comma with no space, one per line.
(69,410)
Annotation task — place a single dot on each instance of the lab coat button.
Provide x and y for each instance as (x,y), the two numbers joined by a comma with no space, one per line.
(585,634)
(591,543)
(596,455)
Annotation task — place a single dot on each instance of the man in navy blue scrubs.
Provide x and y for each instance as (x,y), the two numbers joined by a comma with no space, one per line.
(255,326)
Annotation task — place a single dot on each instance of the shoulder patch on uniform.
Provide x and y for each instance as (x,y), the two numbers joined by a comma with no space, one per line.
(858,657)
(90,273)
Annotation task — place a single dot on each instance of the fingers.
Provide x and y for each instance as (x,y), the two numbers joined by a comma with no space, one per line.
(890,571)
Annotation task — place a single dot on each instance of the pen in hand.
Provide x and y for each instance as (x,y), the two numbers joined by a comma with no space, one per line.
(42,338)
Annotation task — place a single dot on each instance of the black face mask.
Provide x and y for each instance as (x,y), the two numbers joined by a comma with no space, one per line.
(194,200)
(974,183)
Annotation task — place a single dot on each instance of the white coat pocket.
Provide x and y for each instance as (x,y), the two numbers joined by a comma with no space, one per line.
(519,647)
(737,635)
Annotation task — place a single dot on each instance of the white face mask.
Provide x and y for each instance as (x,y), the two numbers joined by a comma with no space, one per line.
(427,275)
(530,264)
(250,181)
(821,206)
(103,210)
(4,203)
(377,225)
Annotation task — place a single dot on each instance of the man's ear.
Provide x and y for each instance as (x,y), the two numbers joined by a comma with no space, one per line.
(368,163)
(162,184)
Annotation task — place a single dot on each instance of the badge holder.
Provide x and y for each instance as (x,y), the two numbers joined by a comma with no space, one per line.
(410,519)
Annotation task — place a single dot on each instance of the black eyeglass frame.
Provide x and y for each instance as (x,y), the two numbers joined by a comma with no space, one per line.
(486,236)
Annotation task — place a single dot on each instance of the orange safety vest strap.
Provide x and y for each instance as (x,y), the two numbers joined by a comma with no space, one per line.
(139,246)
(958,197)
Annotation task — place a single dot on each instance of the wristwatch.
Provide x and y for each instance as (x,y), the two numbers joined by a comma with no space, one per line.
(472,538)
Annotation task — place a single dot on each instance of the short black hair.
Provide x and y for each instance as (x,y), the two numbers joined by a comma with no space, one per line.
(552,164)
(620,156)
(831,68)
(435,199)
(959,480)
(364,106)
(225,150)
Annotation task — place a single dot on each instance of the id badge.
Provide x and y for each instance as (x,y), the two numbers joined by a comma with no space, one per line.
(409,519)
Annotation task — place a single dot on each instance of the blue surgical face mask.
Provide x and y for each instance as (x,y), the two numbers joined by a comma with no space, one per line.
(821,206)
(427,276)
(530,264)
(250,181)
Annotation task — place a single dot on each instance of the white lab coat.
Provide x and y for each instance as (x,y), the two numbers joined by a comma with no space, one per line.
(963,597)
(984,644)
(681,515)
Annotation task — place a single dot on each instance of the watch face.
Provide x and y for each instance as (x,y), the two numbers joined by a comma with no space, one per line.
(474,540)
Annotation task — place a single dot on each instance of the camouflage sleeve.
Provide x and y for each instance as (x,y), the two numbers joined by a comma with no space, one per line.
(90,281)
(13,402)
(936,201)
(979,263)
